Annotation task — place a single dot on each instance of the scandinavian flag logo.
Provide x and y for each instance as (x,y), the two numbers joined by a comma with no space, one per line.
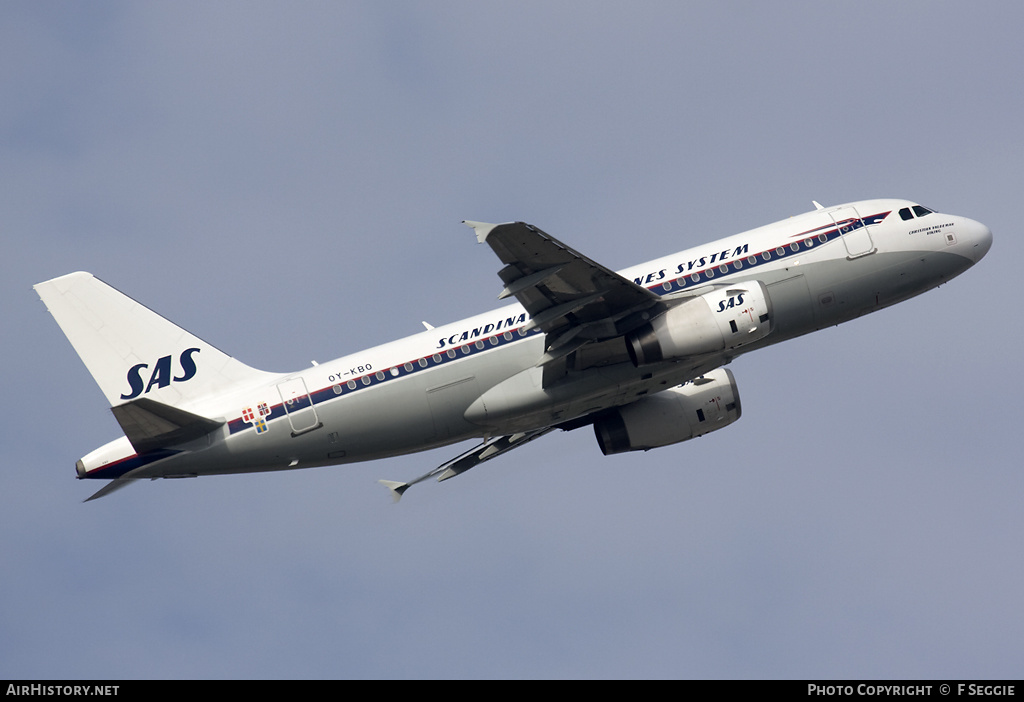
(260,423)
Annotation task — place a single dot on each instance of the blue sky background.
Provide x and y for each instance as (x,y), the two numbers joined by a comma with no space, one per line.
(286,180)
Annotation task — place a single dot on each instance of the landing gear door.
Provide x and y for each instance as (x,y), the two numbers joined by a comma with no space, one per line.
(298,405)
(854,231)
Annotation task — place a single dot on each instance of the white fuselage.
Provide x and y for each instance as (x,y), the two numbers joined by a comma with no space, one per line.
(480,376)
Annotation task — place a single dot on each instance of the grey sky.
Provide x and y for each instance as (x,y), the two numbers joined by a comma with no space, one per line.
(287,180)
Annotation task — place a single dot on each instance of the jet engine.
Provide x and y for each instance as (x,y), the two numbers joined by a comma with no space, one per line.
(722,319)
(690,410)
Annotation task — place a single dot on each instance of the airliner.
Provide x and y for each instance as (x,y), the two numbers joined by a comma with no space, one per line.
(639,354)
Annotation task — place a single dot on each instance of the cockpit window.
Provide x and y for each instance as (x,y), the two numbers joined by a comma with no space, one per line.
(920,211)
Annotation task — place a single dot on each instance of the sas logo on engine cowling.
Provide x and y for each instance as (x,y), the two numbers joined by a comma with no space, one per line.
(733,301)
(161,376)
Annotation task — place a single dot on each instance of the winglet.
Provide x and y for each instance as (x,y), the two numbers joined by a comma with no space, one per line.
(482,229)
(397,489)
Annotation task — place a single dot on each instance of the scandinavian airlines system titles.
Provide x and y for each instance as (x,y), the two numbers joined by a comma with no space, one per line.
(688,266)
(463,336)
(459,338)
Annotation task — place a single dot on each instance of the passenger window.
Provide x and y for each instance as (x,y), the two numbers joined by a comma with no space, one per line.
(905,213)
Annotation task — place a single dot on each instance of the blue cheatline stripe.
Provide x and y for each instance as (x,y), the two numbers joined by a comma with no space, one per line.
(799,243)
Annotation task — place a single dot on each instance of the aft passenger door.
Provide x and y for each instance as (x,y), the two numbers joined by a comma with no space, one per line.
(854,231)
(298,405)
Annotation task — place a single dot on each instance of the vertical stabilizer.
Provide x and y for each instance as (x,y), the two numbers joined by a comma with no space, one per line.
(131,351)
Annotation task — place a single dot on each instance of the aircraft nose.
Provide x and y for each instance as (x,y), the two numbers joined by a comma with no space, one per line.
(979,240)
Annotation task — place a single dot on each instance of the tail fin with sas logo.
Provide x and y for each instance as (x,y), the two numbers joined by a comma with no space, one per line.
(132,352)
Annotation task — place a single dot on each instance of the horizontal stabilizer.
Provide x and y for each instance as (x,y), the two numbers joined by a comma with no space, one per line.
(125,480)
(151,425)
(110,487)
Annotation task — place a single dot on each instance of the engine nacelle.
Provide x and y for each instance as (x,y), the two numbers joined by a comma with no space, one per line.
(721,319)
(694,409)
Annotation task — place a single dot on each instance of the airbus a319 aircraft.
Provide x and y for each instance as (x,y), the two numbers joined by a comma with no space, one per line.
(639,354)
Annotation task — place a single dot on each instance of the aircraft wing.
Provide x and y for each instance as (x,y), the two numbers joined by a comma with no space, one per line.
(574,300)
(490,448)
